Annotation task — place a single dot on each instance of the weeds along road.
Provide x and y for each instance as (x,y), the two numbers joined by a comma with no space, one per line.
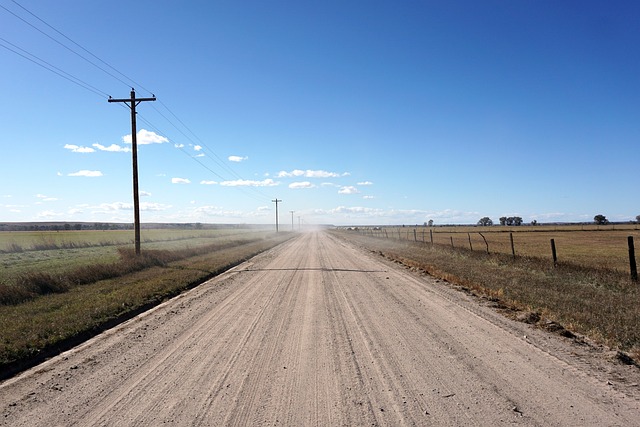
(317,332)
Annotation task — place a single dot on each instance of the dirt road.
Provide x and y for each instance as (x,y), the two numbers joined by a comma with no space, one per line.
(317,332)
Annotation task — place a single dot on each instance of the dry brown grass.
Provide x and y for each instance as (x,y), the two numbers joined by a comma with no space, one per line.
(598,302)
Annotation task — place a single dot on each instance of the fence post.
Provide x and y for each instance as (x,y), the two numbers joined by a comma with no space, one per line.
(385,233)
(513,248)
(632,259)
(451,237)
(415,237)
(470,245)
(553,253)
(431,236)
(485,242)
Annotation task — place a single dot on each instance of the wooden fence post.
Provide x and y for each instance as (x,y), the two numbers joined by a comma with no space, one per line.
(553,252)
(415,237)
(470,245)
(385,233)
(485,242)
(513,248)
(431,236)
(632,259)
(451,237)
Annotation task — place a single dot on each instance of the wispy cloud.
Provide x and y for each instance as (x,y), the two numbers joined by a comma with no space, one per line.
(44,198)
(180,181)
(146,137)
(78,149)
(87,173)
(144,194)
(303,184)
(349,189)
(365,183)
(250,183)
(368,197)
(115,148)
(237,159)
(197,147)
(121,206)
(204,182)
(310,174)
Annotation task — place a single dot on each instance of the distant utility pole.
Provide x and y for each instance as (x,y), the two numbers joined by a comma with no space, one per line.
(292,219)
(276,201)
(298,223)
(132,103)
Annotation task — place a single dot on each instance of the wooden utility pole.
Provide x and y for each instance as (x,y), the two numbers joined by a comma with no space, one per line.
(276,201)
(132,103)
(292,219)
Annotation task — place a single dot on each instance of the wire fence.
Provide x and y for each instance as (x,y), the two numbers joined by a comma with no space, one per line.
(608,247)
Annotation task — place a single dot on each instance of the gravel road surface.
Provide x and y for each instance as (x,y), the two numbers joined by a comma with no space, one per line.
(317,332)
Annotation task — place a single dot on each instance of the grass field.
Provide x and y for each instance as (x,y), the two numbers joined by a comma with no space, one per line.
(599,246)
(60,252)
(50,298)
(590,292)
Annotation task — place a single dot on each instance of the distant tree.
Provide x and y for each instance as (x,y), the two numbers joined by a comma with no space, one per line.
(77,226)
(600,219)
(67,226)
(431,222)
(638,219)
(517,220)
(485,221)
(534,222)
(503,220)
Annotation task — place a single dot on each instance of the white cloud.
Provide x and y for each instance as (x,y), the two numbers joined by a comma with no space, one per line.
(147,206)
(144,194)
(146,137)
(349,189)
(365,183)
(178,145)
(237,159)
(48,214)
(78,149)
(180,181)
(250,183)
(46,198)
(303,184)
(115,148)
(197,147)
(199,155)
(86,173)
(208,182)
(368,197)
(310,174)
(115,206)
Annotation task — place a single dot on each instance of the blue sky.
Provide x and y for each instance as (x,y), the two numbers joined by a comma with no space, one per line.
(350,112)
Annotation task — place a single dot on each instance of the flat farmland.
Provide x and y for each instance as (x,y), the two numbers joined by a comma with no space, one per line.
(589,245)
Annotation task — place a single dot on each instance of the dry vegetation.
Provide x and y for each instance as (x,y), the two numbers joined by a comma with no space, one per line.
(43,312)
(595,299)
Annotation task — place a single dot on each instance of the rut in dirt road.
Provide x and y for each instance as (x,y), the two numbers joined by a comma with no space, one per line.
(315,332)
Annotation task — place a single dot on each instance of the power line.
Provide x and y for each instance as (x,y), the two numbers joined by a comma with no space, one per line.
(65,46)
(52,68)
(136,84)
